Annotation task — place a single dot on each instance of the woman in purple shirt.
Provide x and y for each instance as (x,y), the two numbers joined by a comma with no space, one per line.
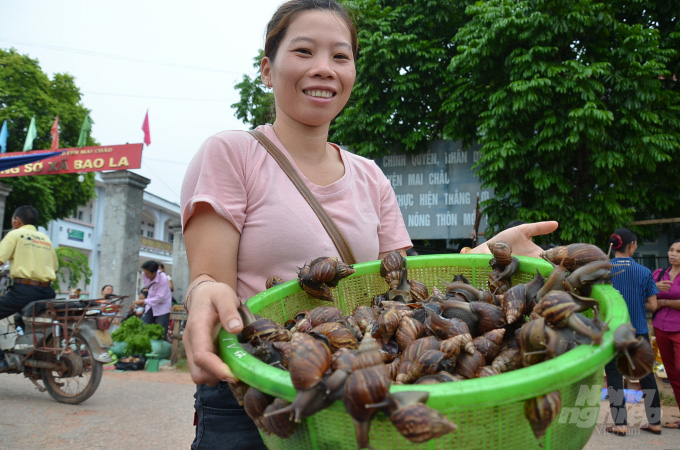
(667,320)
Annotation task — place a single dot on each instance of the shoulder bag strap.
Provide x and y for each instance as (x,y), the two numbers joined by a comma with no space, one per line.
(336,236)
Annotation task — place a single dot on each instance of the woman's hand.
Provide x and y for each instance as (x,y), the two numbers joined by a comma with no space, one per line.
(664,286)
(213,305)
(519,238)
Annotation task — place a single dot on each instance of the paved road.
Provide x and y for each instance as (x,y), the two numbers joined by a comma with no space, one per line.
(129,410)
(143,410)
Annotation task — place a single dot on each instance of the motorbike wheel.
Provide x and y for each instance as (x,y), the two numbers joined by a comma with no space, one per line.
(79,376)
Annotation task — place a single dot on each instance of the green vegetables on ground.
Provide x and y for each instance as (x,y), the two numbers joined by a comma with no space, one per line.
(137,335)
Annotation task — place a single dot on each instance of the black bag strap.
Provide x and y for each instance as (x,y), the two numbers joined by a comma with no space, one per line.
(336,236)
(662,273)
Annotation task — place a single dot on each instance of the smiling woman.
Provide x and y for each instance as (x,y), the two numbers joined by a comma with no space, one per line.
(245,221)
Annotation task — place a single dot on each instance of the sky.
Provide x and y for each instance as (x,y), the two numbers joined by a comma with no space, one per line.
(178,59)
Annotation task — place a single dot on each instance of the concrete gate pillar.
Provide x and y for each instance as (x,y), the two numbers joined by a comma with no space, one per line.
(180,264)
(119,252)
(4,192)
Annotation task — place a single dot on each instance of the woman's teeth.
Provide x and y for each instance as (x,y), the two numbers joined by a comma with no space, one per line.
(322,94)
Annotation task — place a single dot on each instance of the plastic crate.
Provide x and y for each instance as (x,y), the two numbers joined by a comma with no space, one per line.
(488,411)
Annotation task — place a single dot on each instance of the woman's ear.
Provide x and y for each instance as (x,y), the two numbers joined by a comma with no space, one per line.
(266,71)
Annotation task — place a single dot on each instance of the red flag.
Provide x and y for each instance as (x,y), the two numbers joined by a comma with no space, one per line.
(145,129)
(55,134)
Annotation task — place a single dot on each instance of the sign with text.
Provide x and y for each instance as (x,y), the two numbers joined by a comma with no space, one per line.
(437,190)
(78,160)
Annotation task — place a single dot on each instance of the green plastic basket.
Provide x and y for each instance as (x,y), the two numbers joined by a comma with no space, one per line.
(488,411)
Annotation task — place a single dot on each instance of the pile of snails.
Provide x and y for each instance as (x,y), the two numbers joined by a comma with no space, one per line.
(411,335)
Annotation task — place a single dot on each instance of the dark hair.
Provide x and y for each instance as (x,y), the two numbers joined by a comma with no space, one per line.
(27,214)
(144,292)
(162,266)
(151,266)
(621,237)
(284,16)
(105,286)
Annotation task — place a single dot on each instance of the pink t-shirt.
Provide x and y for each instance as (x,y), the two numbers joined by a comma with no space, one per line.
(667,319)
(279,230)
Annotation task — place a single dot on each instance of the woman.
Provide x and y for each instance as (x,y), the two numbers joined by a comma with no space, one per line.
(244,221)
(637,287)
(667,320)
(107,291)
(158,302)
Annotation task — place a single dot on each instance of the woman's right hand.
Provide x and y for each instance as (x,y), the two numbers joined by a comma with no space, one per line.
(664,286)
(213,306)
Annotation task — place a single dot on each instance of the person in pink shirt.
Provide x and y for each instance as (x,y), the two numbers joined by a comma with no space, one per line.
(667,320)
(244,221)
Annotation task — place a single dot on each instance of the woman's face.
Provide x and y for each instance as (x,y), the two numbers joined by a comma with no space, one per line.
(313,72)
(150,275)
(674,254)
(107,290)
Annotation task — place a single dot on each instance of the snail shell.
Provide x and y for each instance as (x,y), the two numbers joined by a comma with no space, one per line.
(264,330)
(409,330)
(636,358)
(501,251)
(339,336)
(273,281)
(469,363)
(420,423)
(322,314)
(515,303)
(315,289)
(419,291)
(426,363)
(323,270)
(388,322)
(489,343)
(486,371)
(418,346)
(365,317)
(453,346)
(367,385)
(541,411)
(444,328)
(491,316)
(309,360)
(574,256)
(279,424)
(393,261)
(508,359)
(255,403)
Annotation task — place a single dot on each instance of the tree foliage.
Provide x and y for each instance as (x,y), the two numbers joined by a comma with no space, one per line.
(73,266)
(256,106)
(26,91)
(576,111)
(575,103)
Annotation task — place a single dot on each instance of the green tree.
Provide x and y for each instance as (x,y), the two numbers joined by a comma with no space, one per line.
(404,49)
(256,106)
(73,266)
(25,91)
(576,111)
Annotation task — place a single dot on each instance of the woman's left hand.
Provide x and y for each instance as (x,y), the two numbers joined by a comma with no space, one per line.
(519,238)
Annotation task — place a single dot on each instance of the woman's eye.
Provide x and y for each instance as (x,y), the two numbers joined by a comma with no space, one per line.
(341,56)
(303,51)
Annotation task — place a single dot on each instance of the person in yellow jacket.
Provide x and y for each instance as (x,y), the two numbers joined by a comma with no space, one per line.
(33,265)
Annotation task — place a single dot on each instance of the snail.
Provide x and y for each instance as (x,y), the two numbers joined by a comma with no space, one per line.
(541,411)
(273,281)
(489,343)
(338,334)
(574,256)
(368,384)
(408,330)
(255,403)
(391,268)
(636,358)
(515,303)
(278,424)
(413,419)
(560,310)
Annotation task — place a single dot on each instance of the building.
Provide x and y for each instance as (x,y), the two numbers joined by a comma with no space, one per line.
(84,230)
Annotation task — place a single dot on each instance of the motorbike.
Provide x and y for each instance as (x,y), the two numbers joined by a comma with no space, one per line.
(61,344)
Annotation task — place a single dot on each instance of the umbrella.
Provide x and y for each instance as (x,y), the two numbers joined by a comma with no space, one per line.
(8,162)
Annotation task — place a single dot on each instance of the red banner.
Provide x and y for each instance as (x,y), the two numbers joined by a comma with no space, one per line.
(78,160)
